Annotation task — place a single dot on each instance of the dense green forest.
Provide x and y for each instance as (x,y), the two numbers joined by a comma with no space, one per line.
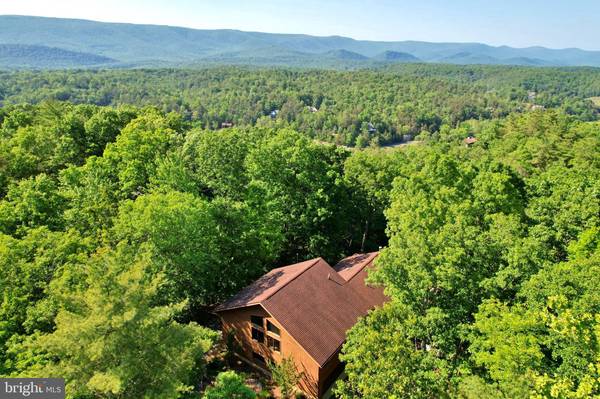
(330,106)
(126,214)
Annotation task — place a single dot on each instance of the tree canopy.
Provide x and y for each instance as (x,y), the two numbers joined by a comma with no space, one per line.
(132,209)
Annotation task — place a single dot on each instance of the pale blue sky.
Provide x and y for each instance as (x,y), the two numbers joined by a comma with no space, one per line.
(519,23)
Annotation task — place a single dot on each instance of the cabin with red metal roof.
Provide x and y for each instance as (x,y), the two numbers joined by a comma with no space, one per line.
(301,311)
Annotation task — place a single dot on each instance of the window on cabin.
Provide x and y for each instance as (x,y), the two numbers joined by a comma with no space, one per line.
(258,358)
(274,344)
(257,321)
(272,328)
(258,335)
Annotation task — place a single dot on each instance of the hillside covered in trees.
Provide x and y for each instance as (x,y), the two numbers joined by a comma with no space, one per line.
(128,45)
(358,108)
(127,212)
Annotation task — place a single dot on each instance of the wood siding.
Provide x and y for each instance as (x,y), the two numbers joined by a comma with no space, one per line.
(329,373)
(237,323)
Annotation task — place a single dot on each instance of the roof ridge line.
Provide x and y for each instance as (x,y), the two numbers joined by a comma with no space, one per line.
(371,258)
(316,260)
(338,283)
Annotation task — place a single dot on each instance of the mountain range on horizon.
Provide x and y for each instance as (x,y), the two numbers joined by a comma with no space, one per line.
(50,43)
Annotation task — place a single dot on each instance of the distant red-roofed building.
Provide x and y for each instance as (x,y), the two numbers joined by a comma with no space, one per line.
(302,311)
(469,141)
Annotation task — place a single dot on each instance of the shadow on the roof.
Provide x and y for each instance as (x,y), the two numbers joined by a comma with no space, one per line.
(350,262)
(255,291)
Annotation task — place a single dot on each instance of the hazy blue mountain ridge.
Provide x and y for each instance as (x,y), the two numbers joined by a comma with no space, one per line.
(35,56)
(125,45)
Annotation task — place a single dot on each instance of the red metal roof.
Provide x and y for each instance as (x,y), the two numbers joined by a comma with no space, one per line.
(266,286)
(352,265)
(314,302)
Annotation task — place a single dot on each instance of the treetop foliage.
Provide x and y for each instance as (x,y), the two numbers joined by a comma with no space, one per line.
(125,218)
